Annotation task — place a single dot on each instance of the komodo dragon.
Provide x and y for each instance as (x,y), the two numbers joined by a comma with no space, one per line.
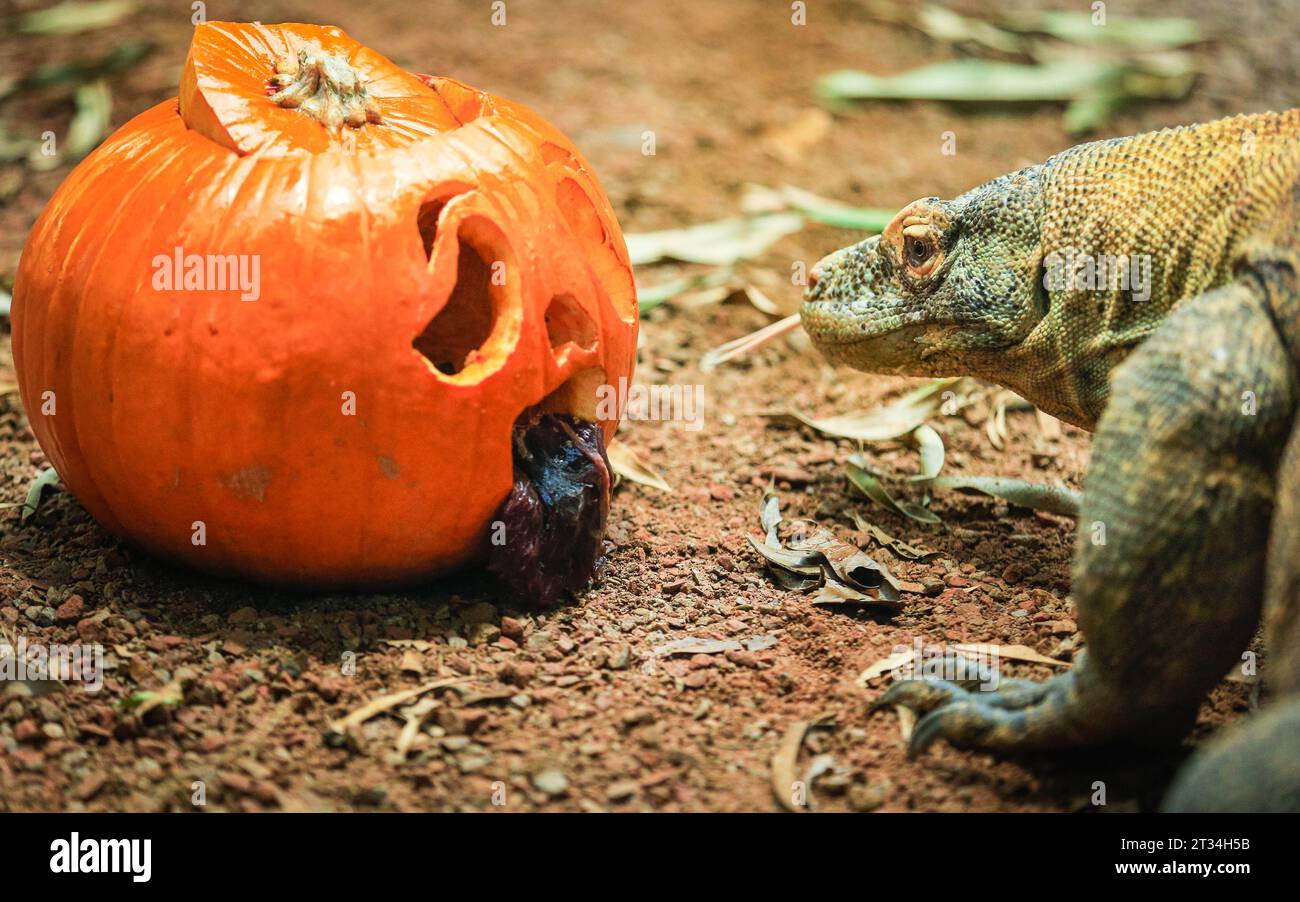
(1195,469)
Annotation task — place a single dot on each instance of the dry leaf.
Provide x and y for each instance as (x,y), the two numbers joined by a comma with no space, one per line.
(411,662)
(897,546)
(694,645)
(891,421)
(1010,652)
(884,666)
(628,465)
(721,243)
(339,728)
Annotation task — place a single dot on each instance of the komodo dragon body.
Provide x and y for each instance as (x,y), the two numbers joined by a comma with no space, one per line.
(1147,287)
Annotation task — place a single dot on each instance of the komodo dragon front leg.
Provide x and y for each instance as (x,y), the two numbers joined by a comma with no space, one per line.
(1180,492)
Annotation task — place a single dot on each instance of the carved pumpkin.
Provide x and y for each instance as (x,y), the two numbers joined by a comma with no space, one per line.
(282,327)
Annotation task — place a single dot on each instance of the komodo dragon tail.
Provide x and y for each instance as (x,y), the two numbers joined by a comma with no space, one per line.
(1254,768)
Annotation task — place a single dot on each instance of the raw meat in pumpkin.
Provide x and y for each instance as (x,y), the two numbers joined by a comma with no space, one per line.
(284,327)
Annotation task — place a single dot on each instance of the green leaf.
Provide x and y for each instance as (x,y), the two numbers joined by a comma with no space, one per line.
(45,478)
(720,243)
(930,445)
(657,295)
(75,16)
(90,122)
(1034,495)
(861,219)
(1131,32)
(971,80)
(870,485)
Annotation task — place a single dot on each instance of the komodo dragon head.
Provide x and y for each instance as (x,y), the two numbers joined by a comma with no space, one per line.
(1045,279)
(949,289)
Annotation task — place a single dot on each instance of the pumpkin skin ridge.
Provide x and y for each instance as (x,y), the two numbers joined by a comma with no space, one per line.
(542,370)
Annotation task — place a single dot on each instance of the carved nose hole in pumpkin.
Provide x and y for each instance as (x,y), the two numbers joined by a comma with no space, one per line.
(454,338)
(567,323)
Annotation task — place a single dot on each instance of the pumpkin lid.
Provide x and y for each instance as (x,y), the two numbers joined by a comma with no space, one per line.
(283,88)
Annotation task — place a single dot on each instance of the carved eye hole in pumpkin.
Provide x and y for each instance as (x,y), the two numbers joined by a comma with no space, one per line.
(426,220)
(452,340)
(478,326)
(567,323)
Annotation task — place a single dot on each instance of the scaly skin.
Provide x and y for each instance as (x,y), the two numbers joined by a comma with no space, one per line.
(1195,474)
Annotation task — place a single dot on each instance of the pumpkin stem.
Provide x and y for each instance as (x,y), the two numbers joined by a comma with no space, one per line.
(324,87)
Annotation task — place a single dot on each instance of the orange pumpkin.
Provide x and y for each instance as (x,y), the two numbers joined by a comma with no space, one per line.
(282,327)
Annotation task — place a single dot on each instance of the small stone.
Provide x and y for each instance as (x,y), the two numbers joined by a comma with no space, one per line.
(622,790)
(512,628)
(866,798)
(552,782)
(619,657)
(52,730)
(26,730)
(242,616)
(481,633)
(70,610)
(89,787)
(932,586)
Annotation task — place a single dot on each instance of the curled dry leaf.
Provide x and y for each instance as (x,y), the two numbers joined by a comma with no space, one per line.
(627,464)
(849,564)
(897,546)
(845,573)
(995,427)
(785,763)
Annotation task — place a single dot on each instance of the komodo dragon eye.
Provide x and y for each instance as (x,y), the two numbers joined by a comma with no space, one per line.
(917,251)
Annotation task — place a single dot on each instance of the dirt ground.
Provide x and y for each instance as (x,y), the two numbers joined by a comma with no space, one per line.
(572,710)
